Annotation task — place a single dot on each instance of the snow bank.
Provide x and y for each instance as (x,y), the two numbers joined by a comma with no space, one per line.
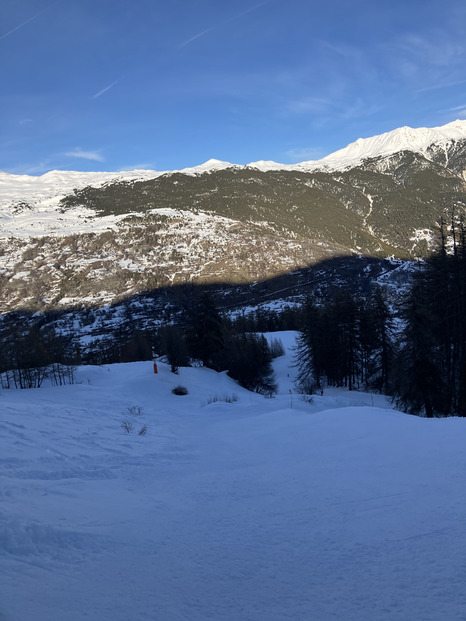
(251,510)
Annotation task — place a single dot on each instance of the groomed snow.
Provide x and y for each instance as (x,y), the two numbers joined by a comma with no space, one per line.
(256,510)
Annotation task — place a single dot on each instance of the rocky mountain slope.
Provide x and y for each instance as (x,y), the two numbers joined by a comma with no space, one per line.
(70,238)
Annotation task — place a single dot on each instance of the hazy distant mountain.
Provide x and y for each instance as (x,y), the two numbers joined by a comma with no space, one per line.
(73,238)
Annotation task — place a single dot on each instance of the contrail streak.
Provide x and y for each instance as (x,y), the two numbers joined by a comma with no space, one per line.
(104,90)
(7,34)
(190,40)
(223,23)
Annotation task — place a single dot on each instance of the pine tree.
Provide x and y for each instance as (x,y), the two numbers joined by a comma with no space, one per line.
(346,313)
(418,377)
(205,331)
(328,343)
(172,344)
(309,346)
(248,359)
(376,340)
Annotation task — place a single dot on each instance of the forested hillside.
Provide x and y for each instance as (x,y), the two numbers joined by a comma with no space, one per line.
(412,347)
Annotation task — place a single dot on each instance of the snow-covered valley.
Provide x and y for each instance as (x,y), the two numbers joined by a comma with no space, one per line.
(230,507)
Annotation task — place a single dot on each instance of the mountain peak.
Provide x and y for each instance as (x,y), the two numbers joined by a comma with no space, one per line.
(208,166)
(32,188)
(401,139)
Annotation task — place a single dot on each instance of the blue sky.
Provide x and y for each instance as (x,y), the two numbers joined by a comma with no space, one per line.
(114,84)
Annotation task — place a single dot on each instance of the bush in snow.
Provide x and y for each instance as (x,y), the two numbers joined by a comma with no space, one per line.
(127,426)
(226,398)
(135,410)
(142,431)
(180,390)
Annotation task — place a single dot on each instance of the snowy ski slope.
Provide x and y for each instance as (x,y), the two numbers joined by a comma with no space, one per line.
(258,509)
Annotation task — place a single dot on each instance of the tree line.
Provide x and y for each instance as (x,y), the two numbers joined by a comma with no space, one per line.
(203,336)
(31,354)
(346,342)
(415,352)
(430,376)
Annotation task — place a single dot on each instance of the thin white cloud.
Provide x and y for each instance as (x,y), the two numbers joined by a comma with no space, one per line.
(305,154)
(310,105)
(86,155)
(429,62)
(460,112)
(39,168)
(440,85)
(138,166)
(435,49)
(104,90)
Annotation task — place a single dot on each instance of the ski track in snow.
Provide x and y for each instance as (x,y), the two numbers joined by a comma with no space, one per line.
(260,509)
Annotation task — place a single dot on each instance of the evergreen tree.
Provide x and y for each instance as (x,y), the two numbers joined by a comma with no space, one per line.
(418,376)
(431,367)
(205,332)
(308,357)
(345,342)
(346,320)
(172,344)
(248,360)
(376,340)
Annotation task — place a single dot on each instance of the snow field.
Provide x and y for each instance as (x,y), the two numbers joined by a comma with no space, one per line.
(260,509)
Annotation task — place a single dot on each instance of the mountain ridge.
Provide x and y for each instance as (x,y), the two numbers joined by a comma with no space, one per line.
(404,138)
(70,243)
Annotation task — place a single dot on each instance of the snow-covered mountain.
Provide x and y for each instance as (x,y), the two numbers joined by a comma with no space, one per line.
(416,140)
(46,190)
(89,238)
